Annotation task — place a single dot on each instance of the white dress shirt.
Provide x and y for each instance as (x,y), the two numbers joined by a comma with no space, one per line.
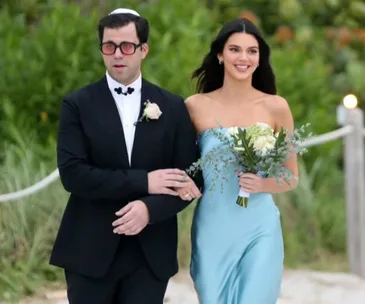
(128,107)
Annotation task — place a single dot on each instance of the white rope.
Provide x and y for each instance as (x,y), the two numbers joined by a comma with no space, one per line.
(32,189)
(321,139)
(55,174)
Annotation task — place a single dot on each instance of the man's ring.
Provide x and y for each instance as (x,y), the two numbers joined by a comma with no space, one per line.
(186,195)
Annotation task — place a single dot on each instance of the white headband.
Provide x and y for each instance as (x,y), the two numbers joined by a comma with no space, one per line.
(124,11)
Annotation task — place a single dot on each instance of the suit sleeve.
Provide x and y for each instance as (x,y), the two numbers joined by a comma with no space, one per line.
(162,207)
(81,178)
(197,177)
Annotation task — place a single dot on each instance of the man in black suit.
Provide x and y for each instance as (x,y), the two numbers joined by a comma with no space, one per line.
(122,147)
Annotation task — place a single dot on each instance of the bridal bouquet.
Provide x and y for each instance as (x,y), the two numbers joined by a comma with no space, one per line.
(256,149)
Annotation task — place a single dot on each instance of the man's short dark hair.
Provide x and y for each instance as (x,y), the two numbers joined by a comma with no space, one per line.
(120,20)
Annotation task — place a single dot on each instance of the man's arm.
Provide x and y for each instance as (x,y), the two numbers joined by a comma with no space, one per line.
(197,177)
(81,178)
(161,207)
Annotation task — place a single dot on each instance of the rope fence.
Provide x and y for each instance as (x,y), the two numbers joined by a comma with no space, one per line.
(51,178)
(330,136)
(32,189)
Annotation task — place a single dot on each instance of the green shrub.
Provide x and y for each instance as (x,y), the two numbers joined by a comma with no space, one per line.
(28,225)
(313,217)
(45,63)
(61,54)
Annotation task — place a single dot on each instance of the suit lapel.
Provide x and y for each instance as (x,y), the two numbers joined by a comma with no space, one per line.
(112,119)
(145,95)
(144,129)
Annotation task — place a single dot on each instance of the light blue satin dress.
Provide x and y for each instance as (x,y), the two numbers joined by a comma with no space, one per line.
(237,252)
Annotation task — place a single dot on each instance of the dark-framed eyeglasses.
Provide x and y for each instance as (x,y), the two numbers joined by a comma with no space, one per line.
(127,48)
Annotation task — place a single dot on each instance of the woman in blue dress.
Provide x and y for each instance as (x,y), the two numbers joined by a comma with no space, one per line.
(237,252)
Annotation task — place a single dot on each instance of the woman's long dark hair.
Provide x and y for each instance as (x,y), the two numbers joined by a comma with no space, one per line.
(210,74)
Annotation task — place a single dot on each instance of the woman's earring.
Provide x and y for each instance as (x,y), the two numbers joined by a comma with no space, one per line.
(220,61)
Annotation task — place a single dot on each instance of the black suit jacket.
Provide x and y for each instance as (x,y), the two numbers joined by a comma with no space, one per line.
(94,168)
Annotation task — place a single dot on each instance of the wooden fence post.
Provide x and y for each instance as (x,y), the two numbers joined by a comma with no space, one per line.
(355,190)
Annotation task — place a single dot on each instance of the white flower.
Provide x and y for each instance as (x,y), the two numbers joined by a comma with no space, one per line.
(152,111)
(263,144)
(259,129)
(233,131)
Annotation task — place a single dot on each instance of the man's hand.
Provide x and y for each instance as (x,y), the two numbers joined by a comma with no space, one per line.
(133,218)
(190,192)
(160,181)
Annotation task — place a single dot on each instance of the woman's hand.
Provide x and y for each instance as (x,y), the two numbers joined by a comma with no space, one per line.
(190,192)
(251,183)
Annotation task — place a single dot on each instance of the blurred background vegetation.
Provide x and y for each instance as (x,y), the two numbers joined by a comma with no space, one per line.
(49,48)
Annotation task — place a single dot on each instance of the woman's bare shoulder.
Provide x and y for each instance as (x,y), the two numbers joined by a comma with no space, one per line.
(280,110)
(198,102)
(200,109)
(192,100)
(277,104)
(197,99)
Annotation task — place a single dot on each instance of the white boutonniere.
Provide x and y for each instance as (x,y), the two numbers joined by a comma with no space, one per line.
(151,111)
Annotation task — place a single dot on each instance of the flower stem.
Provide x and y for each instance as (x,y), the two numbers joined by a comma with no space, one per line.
(242,201)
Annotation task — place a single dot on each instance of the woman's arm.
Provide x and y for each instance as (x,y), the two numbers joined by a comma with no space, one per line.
(252,183)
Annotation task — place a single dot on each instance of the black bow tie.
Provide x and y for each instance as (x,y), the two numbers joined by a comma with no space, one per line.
(119,91)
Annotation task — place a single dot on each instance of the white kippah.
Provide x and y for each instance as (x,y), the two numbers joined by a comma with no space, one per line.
(124,11)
